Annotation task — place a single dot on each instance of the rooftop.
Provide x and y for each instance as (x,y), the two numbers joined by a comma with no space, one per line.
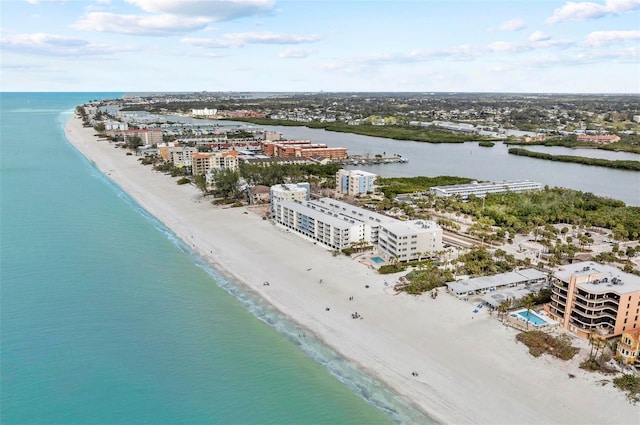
(410,227)
(497,280)
(600,277)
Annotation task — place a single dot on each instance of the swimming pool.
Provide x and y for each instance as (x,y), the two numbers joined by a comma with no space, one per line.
(377,260)
(532,317)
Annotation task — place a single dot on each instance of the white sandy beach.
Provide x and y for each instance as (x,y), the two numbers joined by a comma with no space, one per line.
(470,370)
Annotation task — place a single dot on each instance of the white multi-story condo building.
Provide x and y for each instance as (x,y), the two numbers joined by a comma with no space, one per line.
(111,125)
(482,189)
(337,225)
(182,156)
(409,240)
(332,231)
(288,192)
(206,112)
(354,182)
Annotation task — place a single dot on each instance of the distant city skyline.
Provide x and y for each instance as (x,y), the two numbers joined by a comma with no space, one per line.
(542,46)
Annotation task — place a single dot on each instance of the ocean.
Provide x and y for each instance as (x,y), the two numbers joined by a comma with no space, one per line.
(106,317)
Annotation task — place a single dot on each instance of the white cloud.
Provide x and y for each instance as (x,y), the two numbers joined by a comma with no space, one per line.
(168,17)
(55,45)
(512,25)
(582,11)
(140,24)
(296,53)
(46,1)
(215,10)
(601,38)
(539,36)
(507,46)
(537,41)
(241,39)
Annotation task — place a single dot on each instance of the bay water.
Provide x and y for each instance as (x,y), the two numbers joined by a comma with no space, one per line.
(107,318)
(466,159)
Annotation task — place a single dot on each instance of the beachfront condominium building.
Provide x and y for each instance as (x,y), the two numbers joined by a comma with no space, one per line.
(182,156)
(331,223)
(591,297)
(482,189)
(354,182)
(337,225)
(409,240)
(164,149)
(203,163)
(628,348)
(288,192)
(305,218)
(147,137)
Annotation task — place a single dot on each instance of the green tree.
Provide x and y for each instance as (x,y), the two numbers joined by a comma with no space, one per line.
(226,183)
(133,142)
(201,183)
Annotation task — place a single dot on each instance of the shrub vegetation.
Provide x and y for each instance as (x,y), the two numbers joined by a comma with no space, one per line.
(540,343)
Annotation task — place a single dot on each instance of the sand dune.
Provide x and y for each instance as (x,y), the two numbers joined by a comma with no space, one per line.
(470,370)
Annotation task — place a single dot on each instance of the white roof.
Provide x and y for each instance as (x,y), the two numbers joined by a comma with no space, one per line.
(502,279)
(335,220)
(411,227)
(364,215)
(616,280)
(497,298)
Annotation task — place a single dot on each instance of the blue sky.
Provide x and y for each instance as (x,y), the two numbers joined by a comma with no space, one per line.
(331,45)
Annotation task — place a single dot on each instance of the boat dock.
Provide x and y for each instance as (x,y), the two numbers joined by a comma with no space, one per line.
(361,160)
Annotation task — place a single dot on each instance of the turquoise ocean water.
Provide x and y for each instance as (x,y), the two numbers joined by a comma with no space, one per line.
(107,318)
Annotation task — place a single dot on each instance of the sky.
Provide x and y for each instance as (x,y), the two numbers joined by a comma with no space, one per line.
(509,46)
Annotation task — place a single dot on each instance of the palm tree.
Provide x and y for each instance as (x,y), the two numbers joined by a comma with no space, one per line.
(528,303)
(592,342)
(503,308)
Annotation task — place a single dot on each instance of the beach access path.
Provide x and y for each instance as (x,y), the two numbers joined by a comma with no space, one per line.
(470,367)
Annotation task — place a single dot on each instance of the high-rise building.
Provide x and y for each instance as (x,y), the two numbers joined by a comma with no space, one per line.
(590,297)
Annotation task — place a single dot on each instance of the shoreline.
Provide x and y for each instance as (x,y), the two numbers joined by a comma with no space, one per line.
(469,370)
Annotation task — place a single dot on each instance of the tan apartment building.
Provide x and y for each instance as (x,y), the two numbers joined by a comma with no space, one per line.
(603,139)
(182,156)
(591,297)
(302,149)
(164,149)
(148,137)
(202,163)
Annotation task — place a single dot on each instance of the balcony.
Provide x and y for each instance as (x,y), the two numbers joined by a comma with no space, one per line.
(561,285)
(593,298)
(602,329)
(559,291)
(595,306)
(591,313)
(592,320)
(559,300)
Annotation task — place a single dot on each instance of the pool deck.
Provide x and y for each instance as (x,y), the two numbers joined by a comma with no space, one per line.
(517,316)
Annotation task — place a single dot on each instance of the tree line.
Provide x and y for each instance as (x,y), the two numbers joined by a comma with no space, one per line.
(617,163)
